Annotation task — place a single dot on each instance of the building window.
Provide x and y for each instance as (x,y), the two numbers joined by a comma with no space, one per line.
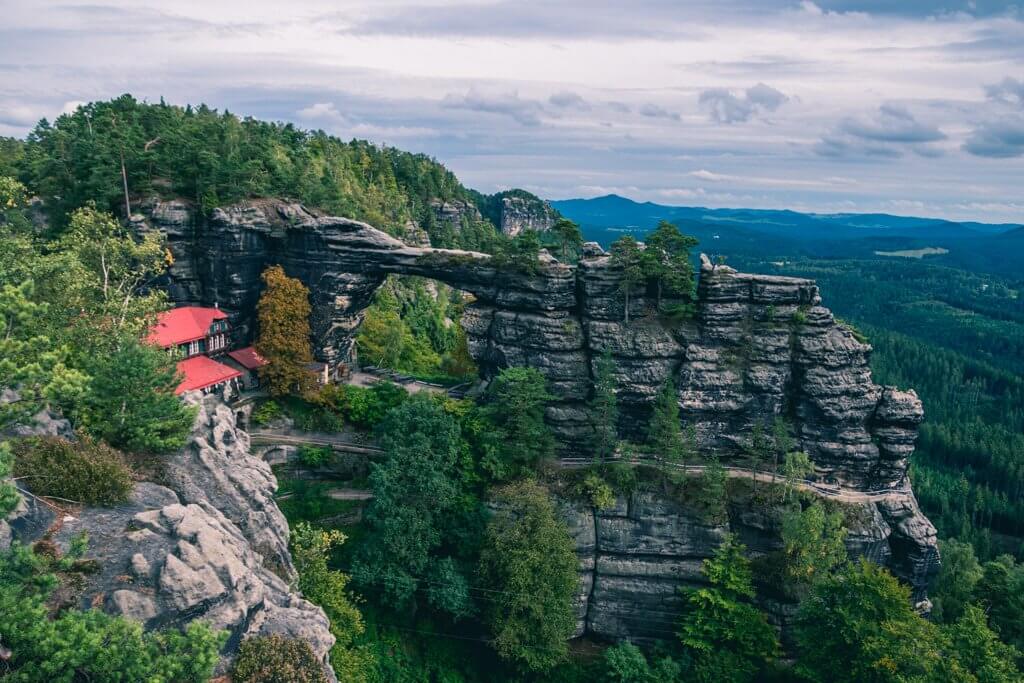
(193,348)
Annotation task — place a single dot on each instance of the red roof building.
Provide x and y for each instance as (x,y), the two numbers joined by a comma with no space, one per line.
(200,372)
(248,358)
(194,328)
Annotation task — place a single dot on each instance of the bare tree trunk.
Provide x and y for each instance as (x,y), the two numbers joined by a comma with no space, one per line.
(124,178)
(627,305)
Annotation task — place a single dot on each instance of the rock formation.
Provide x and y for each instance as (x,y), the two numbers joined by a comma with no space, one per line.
(758,347)
(522,213)
(210,545)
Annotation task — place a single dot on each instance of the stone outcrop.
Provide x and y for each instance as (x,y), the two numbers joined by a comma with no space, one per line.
(757,347)
(216,467)
(209,544)
(525,213)
(636,555)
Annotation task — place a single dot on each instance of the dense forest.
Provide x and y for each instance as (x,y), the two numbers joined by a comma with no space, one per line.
(459,568)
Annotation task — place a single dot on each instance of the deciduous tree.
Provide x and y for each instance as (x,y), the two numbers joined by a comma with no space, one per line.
(284,335)
(529,561)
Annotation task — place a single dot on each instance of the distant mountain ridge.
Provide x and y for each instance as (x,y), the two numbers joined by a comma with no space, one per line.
(985,247)
(616,211)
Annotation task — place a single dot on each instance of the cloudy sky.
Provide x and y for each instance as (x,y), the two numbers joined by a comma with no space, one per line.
(902,106)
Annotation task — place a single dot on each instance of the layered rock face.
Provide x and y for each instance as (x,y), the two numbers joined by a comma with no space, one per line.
(757,347)
(211,545)
(636,556)
(520,213)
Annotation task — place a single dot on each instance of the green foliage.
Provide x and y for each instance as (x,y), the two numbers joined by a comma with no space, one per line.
(520,254)
(315,456)
(29,362)
(214,158)
(726,638)
(980,651)
(667,265)
(711,490)
(627,257)
(597,491)
(276,659)
(416,490)
(267,412)
(363,407)
(626,663)
(328,588)
(1000,590)
(858,625)
(131,402)
(529,560)
(9,497)
(604,409)
(568,238)
(796,465)
(90,645)
(515,404)
(665,433)
(952,591)
(284,335)
(84,471)
(813,544)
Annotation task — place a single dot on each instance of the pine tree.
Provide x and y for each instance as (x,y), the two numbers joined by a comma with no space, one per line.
(727,638)
(666,258)
(283,341)
(569,237)
(626,255)
(665,435)
(604,409)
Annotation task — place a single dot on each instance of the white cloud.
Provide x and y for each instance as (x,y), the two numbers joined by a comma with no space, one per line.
(581,93)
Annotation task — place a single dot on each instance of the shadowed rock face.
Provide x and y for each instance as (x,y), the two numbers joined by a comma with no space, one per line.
(758,347)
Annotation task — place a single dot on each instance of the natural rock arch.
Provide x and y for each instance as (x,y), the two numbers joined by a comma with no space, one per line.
(759,346)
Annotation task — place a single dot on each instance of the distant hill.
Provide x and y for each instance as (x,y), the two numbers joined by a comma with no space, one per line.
(997,248)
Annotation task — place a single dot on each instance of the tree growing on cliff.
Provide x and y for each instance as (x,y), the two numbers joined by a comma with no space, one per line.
(569,237)
(627,256)
(529,562)
(665,433)
(604,408)
(515,403)
(813,544)
(666,262)
(283,312)
(726,638)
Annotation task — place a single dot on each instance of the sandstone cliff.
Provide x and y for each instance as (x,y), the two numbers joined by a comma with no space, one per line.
(211,544)
(758,347)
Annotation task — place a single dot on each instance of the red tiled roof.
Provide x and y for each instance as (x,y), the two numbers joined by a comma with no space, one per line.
(200,372)
(185,324)
(248,358)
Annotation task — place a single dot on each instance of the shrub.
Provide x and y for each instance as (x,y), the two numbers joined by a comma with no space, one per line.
(266,413)
(367,407)
(597,491)
(313,456)
(276,659)
(86,471)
